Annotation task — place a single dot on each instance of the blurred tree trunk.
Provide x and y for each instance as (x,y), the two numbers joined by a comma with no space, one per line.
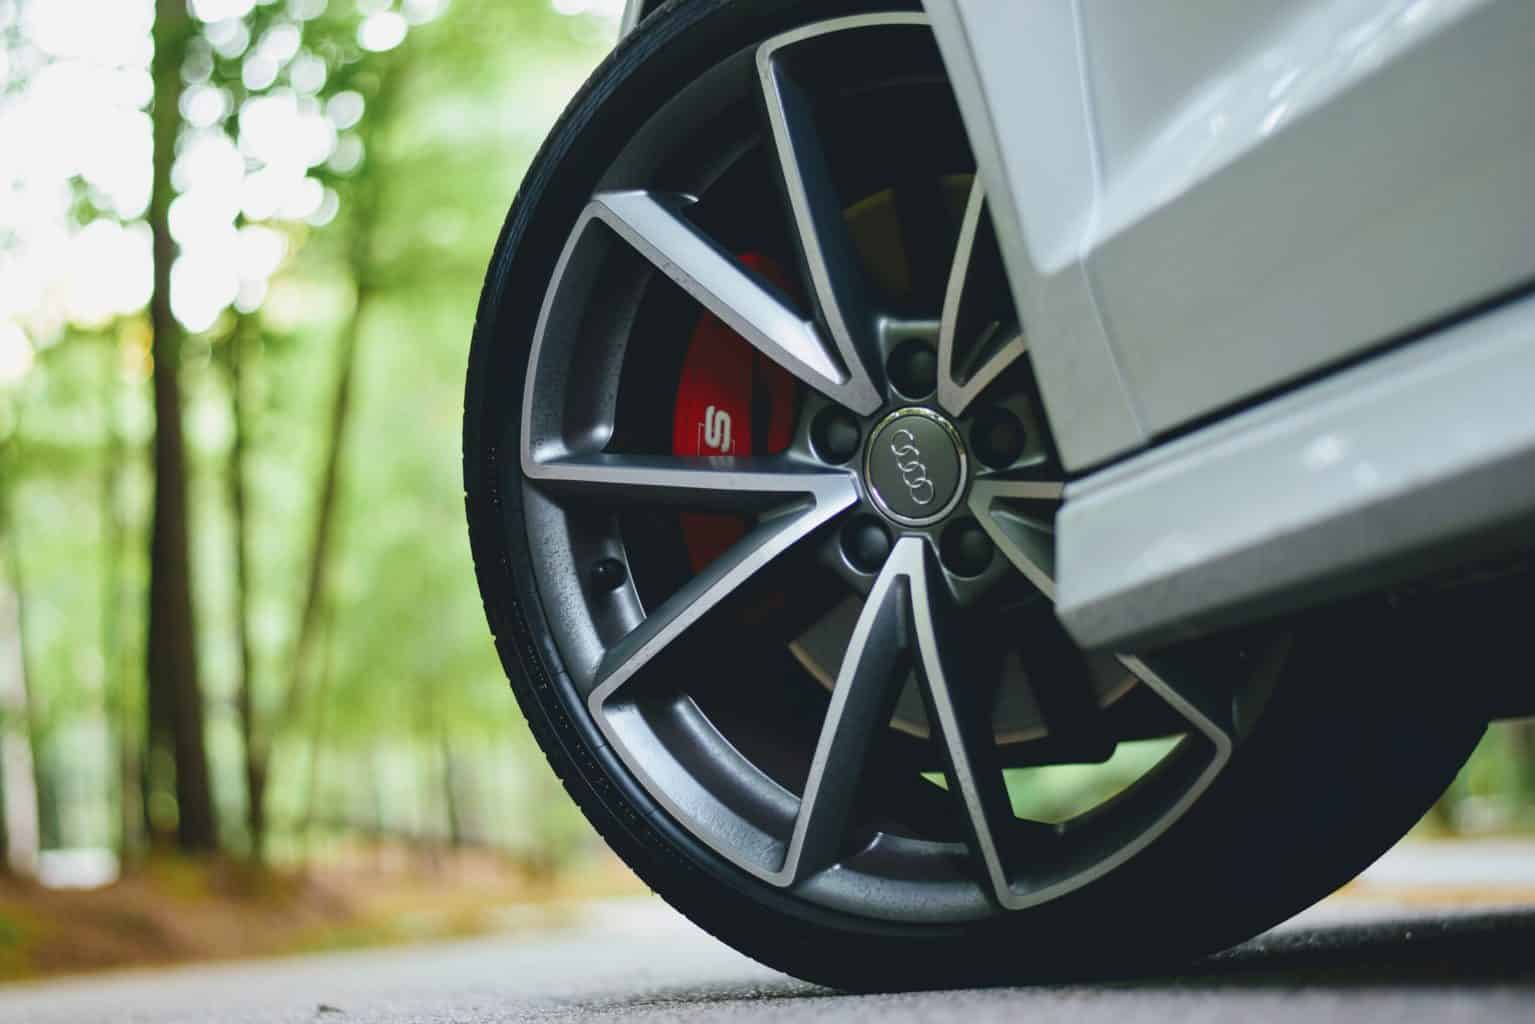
(317,726)
(18,785)
(378,819)
(452,804)
(18,773)
(50,799)
(256,752)
(322,531)
(260,737)
(175,706)
(119,705)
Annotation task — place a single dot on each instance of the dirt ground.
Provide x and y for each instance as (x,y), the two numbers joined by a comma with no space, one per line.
(173,911)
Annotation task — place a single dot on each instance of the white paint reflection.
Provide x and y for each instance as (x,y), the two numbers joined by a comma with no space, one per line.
(1320,49)
(1325,452)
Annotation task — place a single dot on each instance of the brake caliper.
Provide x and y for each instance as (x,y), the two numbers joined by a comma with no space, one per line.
(731,400)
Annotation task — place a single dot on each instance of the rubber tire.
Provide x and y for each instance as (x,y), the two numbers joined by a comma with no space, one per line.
(1355,743)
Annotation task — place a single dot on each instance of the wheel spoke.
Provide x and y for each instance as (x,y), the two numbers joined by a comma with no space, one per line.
(1027,542)
(962,721)
(862,701)
(830,259)
(903,621)
(1003,345)
(705,482)
(769,539)
(1207,711)
(751,306)
(1002,507)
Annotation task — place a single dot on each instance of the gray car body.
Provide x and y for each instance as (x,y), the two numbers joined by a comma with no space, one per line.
(1270,261)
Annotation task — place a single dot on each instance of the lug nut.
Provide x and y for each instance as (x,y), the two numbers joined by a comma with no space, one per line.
(865,543)
(913,369)
(998,437)
(835,434)
(965,548)
(608,574)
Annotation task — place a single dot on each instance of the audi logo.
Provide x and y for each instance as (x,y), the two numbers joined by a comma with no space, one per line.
(908,459)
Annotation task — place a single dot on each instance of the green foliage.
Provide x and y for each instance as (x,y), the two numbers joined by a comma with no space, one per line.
(405,669)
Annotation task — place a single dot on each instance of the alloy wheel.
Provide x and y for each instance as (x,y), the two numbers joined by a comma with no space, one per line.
(920,475)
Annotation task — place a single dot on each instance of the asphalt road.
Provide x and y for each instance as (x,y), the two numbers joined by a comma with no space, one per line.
(1391,954)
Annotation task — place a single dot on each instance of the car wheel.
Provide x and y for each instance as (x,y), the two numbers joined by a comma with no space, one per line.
(761,495)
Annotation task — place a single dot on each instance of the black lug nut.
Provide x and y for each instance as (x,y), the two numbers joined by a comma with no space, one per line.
(913,369)
(608,574)
(998,437)
(965,548)
(835,434)
(865,543)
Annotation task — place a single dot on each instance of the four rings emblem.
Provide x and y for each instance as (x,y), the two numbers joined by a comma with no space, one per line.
(908,459)
(914,466)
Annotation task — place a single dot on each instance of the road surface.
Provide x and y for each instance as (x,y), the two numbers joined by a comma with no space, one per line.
(1394,950)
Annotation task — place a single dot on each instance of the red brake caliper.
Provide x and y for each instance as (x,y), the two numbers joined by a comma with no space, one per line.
(732,400)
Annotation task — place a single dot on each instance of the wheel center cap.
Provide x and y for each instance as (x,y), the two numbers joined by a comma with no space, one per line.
(915,466)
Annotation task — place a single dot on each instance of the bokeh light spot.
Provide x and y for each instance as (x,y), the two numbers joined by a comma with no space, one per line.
(382,31)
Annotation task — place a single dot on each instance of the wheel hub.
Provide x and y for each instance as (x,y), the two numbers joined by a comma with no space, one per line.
(915,466)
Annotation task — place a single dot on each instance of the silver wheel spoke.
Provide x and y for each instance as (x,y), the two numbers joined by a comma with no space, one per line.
(1028,544)
(1004,344)
(901,617)
(1000,506)
(873,669)
(964,723)
(720,481)
(1204,710)
(654,226)
(836,275)
(825,495)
